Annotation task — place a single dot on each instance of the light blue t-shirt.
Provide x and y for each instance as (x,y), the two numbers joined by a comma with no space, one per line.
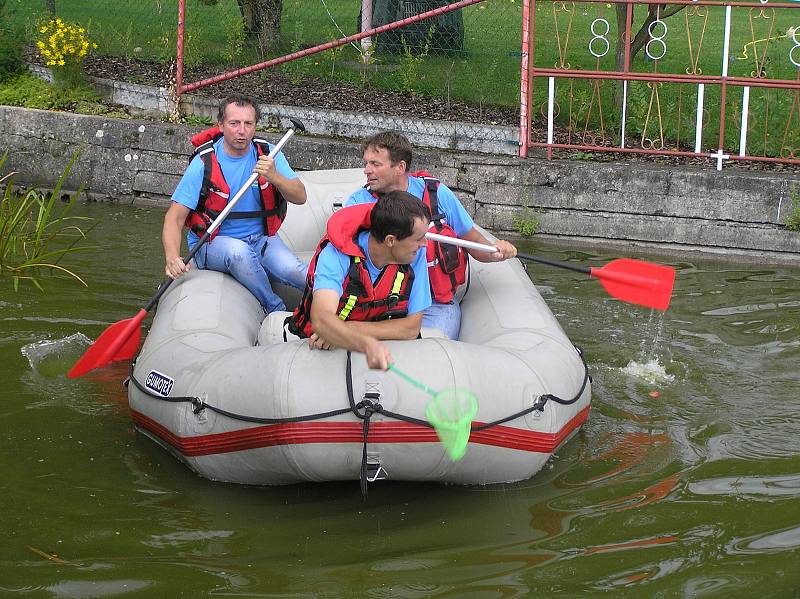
(333,265)
(449,205)
(236,170)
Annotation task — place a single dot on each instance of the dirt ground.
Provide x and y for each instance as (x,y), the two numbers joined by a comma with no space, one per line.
(273,87)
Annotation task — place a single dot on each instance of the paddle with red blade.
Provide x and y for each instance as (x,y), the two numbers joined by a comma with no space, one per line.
(632,281)
(121,339)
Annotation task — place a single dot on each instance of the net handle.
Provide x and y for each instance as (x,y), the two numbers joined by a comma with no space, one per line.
(412,380)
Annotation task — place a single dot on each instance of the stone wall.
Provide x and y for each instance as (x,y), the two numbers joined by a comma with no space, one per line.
(663,208)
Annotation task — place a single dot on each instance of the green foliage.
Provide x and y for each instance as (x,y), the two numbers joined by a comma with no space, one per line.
(98,108)
(197,120)
(164,48)
(526,222)
(485,73)
(192,50)
(295,70)
(36,233)
(410,63)
(334,53)
(10,46)
(234,38)
(28,91)
(793,220)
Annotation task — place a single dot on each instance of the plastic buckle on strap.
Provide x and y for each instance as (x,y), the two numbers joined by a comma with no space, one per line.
(372,392)
(370,404)
(374,469)
(372,401)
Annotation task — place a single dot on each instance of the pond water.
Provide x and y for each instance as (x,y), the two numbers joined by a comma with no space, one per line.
(684,482)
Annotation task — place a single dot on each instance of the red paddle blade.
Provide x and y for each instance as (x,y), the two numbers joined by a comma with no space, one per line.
(637,282)
(117,342)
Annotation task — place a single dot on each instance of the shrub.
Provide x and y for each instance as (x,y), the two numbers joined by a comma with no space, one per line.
(793,220)
(35,235)
(28,91)
(526,222)
(63,46)
(10,46)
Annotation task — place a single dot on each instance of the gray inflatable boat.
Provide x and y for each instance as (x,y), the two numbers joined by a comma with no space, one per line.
(216,384)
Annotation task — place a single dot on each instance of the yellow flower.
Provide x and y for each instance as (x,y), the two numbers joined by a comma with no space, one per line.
(60,43)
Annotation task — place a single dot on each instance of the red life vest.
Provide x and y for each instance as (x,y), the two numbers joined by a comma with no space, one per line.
(447,263)
(362,300)
(215,193)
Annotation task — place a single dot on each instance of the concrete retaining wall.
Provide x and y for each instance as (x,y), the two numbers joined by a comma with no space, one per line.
(661,207)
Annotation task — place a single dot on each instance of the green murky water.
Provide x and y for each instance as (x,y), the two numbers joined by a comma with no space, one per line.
(685,481)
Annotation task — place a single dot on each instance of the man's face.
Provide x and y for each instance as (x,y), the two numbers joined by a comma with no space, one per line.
(382,175)
(238,129)
(404,251)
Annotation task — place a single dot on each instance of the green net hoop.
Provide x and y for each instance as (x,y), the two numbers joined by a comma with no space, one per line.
(451,412)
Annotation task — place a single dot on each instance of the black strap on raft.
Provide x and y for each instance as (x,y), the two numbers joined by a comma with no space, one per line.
(199,404)
(363,410)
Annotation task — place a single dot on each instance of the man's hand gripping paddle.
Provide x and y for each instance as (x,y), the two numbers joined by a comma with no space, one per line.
(632,281)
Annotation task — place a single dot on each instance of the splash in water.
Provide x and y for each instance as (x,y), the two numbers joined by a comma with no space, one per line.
(651,372)
(51,357)
(647,366)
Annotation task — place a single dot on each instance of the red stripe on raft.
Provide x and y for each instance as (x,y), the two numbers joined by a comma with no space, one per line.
(298,433)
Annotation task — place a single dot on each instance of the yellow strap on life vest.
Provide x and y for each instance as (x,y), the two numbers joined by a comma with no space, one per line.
(348,307)
(351,299)
(398,282)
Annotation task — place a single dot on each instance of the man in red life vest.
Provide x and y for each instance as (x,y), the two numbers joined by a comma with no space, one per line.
(368,280)
(246,245)
(387,157)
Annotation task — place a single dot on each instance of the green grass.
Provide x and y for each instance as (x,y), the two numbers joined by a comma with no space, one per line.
(31,92)
(793,220)
(486,72)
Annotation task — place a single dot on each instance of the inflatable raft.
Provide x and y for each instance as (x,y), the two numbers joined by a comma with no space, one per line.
(216,384)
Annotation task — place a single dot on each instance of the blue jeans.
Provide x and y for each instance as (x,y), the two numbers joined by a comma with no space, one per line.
(255,261)
(445,317)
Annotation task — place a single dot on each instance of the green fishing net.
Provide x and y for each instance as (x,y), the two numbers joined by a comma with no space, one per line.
(451,412)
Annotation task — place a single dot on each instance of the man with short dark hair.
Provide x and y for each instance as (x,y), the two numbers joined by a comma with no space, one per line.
(368,280)
(246,245)
(387,157)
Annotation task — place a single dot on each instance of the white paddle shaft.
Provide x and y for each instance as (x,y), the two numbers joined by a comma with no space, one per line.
(470,245)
